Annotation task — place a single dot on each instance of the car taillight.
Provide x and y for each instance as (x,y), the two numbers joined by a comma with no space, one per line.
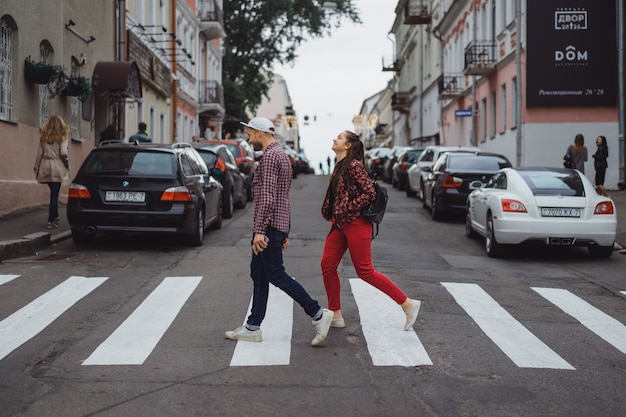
(220,164)
(176,194)
(451,182)
(513,206)
(605,207)
(404,167)
(377,161)
(78,191)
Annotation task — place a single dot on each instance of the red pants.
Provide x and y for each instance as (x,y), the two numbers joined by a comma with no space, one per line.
(356,237)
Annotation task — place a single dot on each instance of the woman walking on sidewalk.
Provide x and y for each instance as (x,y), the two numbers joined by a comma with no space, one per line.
(52,163)
(350,190)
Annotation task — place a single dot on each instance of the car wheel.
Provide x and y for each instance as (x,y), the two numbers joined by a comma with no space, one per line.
(469,232)
(409,192)
(227,206)
(217,224)
(197,238)
(394,183)
(80,238)
(599,252)
(493,248)
(244,200)
(434,213)
(421,196)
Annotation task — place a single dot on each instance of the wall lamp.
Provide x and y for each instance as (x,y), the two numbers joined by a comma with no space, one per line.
(69,26)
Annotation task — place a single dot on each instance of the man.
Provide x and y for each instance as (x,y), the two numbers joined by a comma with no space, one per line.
(272,222)
(140,136)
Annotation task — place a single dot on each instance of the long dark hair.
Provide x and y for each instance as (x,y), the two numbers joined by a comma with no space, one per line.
(603,143)
(342,168)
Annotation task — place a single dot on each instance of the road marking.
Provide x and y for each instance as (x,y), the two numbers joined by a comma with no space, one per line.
(6,278)
(517,342)
(133,341)
(31,319)
(623,292)
(275,349)
(382,321)
(589,316)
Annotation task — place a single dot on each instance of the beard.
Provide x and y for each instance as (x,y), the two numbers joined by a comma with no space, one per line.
(256,146)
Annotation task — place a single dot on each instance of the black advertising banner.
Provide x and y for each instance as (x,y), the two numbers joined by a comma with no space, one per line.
(571,54)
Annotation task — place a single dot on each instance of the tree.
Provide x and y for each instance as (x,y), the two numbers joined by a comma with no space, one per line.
(263,33)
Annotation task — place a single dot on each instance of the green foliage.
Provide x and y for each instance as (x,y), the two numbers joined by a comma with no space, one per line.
(263,33)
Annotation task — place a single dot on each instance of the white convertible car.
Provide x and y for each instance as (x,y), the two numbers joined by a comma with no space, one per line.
(555,206)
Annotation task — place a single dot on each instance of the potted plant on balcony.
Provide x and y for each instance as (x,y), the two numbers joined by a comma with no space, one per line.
(37,72)
(78,86)
(58,81)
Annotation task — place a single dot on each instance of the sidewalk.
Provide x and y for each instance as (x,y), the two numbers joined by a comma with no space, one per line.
(24,233)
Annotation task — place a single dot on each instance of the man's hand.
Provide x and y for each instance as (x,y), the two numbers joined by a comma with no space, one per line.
(259,243)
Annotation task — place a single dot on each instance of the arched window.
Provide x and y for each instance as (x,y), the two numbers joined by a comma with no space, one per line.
(8,31)
(74,104)
(45,55)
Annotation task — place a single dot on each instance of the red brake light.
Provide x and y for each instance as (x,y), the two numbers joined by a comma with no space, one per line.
(78,191)
(513,206)
(176,194)
(220,164)
(605,207)
(404,167)
(451,182)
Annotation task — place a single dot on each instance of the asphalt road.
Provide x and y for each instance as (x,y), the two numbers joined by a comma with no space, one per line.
(143,333)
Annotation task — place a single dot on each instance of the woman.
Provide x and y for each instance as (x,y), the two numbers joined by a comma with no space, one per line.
(578,153)
(52,163)
(350,190)
(600,164)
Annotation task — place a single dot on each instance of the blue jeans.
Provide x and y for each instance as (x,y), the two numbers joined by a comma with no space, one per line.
(268,267)
(53,207)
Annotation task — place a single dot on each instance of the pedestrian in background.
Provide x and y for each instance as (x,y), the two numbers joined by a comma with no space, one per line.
(578,153)
(350,190)
(600,164)
(141,136)
(52,163)
(272,222)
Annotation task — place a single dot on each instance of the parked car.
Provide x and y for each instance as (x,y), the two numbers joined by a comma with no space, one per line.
(554,206)
(391,159)
(376,161)
(455,175)
(222,164)
(400,172)
(245,158)
(122,187)
(294,159)
(418,173)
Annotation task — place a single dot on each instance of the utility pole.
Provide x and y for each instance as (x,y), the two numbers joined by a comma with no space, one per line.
(620,82)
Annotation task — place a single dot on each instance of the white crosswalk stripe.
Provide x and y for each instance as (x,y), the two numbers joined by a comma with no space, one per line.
(589,316)
(133,341)
(517,342)
(6,278)
(27,322)
(382,321)
(277,325)
(623,292)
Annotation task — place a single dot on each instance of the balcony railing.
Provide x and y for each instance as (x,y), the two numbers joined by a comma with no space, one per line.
(416,12)
(480,58)
(390,64)
(401,102)
(451,86)
(210,95)
(211,19)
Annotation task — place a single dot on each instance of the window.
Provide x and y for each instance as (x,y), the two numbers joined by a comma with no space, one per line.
(513,102)
(45,55)
(492,115)
(502,108)
(6,69)
(74,105)
(483,120)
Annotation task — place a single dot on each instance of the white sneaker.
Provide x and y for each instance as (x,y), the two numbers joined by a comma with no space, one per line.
(411,314)
(339,323)
(243,333)
(321,327)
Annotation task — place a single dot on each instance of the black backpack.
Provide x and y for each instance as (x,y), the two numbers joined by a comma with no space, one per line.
(376,210)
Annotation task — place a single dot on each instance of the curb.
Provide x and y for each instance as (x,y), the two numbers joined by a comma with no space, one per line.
(30,244)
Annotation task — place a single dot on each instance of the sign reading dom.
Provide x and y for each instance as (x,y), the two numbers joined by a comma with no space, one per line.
(571,54)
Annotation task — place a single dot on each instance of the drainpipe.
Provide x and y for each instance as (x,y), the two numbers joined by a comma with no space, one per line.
(620,89)
(174,78)
(518,83)
(121,55)
(474,133)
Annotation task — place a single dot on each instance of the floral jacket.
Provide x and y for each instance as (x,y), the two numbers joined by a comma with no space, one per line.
(350,199)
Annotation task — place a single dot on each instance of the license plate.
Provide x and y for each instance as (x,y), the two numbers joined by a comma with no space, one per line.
(125,196)
(560,212)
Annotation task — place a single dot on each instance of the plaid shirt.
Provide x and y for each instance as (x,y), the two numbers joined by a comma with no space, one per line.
(271,184)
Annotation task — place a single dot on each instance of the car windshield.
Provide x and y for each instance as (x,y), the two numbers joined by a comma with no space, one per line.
(113,162)
(235,150)
(382,152)
(554,183)
(481,163)
(209,158)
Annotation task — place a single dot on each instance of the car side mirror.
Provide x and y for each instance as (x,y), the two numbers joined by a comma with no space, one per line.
(426,168)
(216,171)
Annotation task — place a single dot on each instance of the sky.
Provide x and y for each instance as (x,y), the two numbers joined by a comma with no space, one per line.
(332,76)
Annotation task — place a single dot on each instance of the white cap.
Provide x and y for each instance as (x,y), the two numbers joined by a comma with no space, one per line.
(261,123)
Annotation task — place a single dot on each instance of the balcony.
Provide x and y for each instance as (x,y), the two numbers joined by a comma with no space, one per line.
(480,58)
(211,19)
(389,65)
(400,102)
(211,97)
(451,86)
(416,12)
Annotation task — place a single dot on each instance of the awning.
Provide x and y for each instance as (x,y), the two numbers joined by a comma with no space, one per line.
(119,79)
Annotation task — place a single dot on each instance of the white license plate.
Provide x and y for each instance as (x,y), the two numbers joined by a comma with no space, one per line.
(560,212)
(125,196)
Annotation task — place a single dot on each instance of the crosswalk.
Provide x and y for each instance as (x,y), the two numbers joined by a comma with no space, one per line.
(134,340)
